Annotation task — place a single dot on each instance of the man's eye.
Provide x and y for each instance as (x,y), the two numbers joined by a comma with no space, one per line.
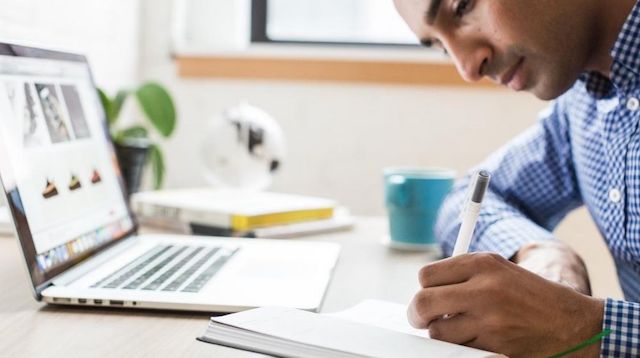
(462,7)
(427,43)
(432,43)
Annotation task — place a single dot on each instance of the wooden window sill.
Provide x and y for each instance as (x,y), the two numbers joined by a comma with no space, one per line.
(297,63)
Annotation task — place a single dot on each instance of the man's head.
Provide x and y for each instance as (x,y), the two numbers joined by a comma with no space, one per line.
(540,46)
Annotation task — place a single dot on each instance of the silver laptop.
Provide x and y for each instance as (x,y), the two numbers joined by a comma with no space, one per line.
(77,235)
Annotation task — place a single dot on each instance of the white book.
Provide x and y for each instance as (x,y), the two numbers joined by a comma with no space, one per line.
(229,208)
(370,329)
(341,221)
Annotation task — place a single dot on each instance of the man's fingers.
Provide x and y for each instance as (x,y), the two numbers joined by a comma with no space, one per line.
(456,269)
(434,302)
(458,329)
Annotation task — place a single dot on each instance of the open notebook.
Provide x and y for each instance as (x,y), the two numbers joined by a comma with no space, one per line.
(369,329)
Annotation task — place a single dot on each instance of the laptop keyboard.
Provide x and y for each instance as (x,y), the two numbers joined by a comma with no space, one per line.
(155,284)
(170,268)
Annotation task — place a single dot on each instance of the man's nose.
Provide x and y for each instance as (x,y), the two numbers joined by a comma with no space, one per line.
(472,64)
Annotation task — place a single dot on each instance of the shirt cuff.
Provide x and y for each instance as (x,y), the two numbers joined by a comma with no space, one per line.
(623,319)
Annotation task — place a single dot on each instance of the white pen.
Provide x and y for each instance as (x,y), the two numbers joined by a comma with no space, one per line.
(471,211)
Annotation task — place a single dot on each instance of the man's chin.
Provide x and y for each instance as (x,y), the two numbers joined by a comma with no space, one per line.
(545,96)
(548,91)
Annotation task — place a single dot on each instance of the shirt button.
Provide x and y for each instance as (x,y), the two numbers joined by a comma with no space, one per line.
(615,195)
(633,104)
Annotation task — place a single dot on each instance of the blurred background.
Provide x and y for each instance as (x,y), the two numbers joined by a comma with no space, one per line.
(345,80)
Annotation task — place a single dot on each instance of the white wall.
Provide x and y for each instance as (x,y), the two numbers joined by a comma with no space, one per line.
(341,136)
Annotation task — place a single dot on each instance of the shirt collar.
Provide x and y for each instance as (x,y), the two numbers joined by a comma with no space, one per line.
(625,70)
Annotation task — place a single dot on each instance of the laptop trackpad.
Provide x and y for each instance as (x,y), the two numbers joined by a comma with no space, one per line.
(277,275)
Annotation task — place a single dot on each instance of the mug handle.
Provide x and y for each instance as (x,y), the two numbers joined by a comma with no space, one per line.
(397,191)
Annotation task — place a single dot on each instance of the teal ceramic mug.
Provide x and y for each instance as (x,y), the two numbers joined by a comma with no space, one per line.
(413,197)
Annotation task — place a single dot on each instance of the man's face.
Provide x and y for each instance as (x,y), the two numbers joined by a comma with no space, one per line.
(540,46)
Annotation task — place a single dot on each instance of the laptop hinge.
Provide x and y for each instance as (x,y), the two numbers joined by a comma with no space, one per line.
(38,289)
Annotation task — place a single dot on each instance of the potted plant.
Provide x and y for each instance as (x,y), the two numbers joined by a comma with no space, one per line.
(134,145)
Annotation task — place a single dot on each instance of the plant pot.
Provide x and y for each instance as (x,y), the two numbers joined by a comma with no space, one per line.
(132,156)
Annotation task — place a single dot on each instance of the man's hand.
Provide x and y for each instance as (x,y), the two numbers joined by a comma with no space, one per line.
(556,262)
(501,307)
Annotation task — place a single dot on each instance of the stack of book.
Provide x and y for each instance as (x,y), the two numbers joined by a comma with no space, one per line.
(238,213)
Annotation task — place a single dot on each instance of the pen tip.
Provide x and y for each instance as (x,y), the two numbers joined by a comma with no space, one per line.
(480,186)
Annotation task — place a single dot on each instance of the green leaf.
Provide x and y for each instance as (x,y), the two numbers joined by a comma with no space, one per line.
(157,166)
(132,132)
(106,104)
(158,106)
(116,104)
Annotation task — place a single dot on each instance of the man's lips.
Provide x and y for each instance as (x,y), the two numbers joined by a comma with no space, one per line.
(510,75)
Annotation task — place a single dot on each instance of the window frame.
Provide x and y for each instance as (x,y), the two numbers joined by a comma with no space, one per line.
(259,16)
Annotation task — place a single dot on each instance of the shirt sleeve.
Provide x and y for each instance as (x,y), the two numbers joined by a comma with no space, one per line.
(533,186)
(623,319)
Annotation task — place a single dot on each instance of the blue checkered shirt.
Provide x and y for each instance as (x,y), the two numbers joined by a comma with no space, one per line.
(584,150)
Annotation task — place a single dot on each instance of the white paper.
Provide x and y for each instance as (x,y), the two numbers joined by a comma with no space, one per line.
(381,314)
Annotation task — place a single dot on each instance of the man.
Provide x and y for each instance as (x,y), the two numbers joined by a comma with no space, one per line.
(585,150)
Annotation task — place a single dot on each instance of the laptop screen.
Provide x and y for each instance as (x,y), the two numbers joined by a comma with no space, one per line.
(57,164)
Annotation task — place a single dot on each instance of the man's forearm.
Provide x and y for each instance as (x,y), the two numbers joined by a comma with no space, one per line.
(555,261)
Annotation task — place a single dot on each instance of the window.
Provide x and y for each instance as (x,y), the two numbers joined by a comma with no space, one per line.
(369,22)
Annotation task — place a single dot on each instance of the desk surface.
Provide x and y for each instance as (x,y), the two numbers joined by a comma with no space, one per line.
(366,269)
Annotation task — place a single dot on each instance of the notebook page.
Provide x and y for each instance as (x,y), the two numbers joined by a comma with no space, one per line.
(337,334)
(381,314)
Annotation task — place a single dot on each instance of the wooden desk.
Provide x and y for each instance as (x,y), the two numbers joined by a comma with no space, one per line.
(366,269)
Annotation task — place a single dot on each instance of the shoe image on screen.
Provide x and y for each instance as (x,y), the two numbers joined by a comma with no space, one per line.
(76,112)
(30,118)
(50,190)
(53,113)
(74,184)
(95,177)
(24,104)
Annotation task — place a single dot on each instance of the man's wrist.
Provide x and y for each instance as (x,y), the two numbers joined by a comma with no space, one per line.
(593,325)
(578,327)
